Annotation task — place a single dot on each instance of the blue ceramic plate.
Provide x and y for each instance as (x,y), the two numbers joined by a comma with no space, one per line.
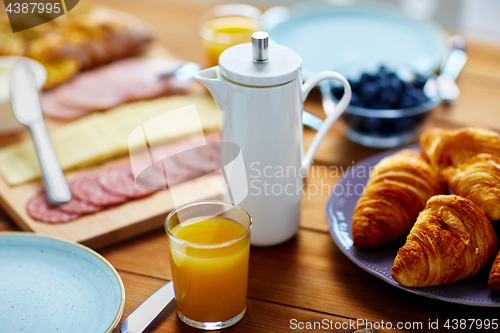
(379,261)
(52,285)
(328,37)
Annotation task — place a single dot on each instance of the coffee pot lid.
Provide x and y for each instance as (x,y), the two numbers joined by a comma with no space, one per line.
(260,64)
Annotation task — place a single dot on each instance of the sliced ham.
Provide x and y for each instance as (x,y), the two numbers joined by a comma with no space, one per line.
(52,108)
(109,86)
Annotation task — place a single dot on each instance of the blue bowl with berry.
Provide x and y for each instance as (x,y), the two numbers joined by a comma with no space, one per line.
(389,104)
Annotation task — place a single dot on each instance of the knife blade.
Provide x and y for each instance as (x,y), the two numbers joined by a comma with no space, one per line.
(24,95)
(311,121)
(145,313)
(27,110)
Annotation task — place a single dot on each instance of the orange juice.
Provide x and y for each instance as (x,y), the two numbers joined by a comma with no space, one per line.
(220,33)
(210,272)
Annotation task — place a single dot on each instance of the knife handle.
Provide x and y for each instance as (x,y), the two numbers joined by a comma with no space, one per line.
(55,184)
(456,58)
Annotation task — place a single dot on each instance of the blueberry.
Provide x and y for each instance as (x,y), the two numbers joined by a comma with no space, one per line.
(354,85)
(407,85)
(396,84)
(392,74)
(389,97)
(384,83)
(422,100)
(415,93)
(404,124)
(356,101)
(419,82)
(382,72)
(365,77)
(372,125)
(407,101)
(338,92)
(368,91)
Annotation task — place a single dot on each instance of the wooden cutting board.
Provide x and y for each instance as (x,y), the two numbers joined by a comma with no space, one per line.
(114,224)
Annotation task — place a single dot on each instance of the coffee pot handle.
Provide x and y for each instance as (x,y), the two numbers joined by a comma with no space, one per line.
(331,118)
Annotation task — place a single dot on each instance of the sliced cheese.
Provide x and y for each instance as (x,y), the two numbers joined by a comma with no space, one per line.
(101,136)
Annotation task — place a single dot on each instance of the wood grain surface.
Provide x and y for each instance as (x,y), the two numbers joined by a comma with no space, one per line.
(307,278)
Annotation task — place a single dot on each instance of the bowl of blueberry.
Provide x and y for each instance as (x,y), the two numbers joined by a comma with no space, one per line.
(389,105)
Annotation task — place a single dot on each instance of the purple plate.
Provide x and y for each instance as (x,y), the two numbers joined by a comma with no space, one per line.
(379,261)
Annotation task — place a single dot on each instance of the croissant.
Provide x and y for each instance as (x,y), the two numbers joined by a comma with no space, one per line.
(397,191)
(445,148)
(494,280)
(478,179)
(451,240)
(468,161)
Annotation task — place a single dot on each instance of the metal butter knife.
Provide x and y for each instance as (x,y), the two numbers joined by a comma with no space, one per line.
(448,89)
(144,315)
(26,107)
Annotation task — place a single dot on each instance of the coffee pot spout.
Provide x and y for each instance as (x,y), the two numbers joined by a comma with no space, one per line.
(215,83)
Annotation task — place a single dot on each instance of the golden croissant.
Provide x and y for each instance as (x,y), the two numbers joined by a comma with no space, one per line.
(468,161)
(397,191)
(451,240)
(478,179)
(494,280)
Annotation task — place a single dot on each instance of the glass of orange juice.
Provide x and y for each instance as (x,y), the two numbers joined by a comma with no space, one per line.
(224,26)
(209,249)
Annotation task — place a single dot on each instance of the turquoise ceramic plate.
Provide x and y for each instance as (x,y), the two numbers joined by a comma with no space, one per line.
(52,285)
(328,37)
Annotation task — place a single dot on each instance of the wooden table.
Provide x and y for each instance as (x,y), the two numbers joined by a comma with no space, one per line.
(306,279)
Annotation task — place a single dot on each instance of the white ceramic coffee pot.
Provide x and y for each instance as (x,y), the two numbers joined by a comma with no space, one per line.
(259,89)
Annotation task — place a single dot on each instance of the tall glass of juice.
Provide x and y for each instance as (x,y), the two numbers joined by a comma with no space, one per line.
(209,249)
(224,26)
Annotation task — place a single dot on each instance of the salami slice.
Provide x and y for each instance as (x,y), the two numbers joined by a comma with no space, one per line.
(180,161)
(88,189)
(120,181)
(177,172)
(39,208)
(75,206)
(196,162)
(204,159)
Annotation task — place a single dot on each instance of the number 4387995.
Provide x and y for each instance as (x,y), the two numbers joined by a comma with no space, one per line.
(470,324)
(33,7)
